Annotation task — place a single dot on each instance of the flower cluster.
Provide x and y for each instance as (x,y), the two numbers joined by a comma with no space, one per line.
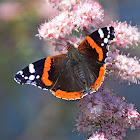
(59,29)
(123,67)
(87,14)
(108,112)
(125,35)
(102,109)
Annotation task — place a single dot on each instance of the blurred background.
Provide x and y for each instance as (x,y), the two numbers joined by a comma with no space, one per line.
(26,112)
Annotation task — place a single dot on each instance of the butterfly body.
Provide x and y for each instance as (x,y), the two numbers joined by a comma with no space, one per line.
(69,75)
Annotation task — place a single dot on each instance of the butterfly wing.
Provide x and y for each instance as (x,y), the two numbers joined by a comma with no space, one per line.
(94,50)
(38,73)
(54,73)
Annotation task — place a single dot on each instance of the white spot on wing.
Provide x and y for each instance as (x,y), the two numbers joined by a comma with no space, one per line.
(38,76)
(20,72)
(108,28)
(100,31)
(108,47)
(102,44)
(105,40)
(16,80)
(39,87)
(25,77)
(45,89)
(33,83)
(31,68)
(108,36)
(31,77)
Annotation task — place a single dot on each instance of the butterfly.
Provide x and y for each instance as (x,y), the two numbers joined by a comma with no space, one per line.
(70,76)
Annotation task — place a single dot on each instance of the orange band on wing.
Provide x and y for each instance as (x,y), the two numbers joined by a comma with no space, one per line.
(94,45)
(68,95)
(45,75)
(100,78)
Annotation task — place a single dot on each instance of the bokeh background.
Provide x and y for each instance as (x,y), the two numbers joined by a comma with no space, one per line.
(26,112)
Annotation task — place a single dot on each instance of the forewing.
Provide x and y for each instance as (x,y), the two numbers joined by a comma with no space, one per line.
(94,50)
(54,73)
(38,73)
(96,44)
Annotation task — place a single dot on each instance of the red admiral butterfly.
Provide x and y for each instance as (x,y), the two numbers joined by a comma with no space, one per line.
(69,75)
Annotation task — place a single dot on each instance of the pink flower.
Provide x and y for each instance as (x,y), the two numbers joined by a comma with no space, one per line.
(108,112)
(87,14)
(60,28)
(121,66)
(124,68)
(56,28)
(125,35)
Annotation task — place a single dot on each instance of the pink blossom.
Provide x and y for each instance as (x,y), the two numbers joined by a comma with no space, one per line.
(60,27)
(125,35)
(123,67)
(56,28)
(108,112)
(87,14)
